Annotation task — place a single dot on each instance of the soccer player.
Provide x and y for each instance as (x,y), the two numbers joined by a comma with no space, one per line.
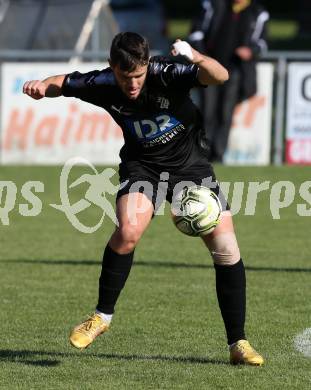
(149,99)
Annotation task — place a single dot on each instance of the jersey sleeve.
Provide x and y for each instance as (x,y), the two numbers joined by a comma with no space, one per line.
(176,75)
(88,86)
(258,42)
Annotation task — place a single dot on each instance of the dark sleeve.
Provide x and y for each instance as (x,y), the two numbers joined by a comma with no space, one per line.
(258,41)
(78,84)
(205,27)
(90,87)
(200,26)
(176,75)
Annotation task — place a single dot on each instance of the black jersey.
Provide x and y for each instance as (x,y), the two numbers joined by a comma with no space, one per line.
(160,127)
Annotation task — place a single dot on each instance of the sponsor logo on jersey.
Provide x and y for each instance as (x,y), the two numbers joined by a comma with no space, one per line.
(163,102)
(148,130)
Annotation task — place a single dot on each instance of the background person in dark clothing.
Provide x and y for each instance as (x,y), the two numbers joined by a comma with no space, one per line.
(233,32)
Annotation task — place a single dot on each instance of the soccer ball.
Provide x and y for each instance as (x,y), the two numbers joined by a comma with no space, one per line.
(196,211)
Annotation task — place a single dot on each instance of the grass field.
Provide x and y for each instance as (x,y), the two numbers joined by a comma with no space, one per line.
(167,332)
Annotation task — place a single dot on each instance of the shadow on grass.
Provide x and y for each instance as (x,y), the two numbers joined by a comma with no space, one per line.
(174,359)
(23,357)
(164,264)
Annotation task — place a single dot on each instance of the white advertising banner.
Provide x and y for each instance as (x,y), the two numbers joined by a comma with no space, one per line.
(298,128)
(250,135)
(50,131)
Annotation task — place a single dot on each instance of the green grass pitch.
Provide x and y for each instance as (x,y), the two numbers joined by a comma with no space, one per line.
(167,332)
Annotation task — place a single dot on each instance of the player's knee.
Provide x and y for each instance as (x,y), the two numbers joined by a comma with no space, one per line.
(128,236)
(224,249)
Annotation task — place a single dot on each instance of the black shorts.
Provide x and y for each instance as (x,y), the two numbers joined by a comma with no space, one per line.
(159,187)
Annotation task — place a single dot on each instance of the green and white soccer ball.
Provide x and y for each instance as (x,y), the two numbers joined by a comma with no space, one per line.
(196,211)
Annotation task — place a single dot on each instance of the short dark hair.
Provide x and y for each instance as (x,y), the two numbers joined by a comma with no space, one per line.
(129,50)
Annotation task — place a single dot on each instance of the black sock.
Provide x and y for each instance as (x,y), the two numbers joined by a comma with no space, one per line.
(230,287)
(115,271)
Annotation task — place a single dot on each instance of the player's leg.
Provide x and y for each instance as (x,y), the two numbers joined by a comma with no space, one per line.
(227,104)
(212,96)
(134,212)
(231,289)
(230,275)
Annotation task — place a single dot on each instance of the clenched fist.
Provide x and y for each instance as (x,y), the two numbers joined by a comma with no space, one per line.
(35,89)
(182,48)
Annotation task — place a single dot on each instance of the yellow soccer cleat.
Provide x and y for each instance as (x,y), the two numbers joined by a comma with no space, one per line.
(242,352)
(84,334)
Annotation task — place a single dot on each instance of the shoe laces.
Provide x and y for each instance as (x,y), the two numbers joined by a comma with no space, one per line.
(244,346)
(90,325)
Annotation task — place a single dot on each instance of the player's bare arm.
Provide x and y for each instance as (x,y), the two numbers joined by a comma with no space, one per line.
(211,72)
(49,87)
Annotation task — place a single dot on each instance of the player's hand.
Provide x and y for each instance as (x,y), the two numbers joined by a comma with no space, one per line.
(182,48)
(244,52)
(35,89)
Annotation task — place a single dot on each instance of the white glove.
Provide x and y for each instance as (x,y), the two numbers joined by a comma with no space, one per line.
(183,48)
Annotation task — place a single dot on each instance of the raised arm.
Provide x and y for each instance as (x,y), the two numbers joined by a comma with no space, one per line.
(50,87)
(210,70)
